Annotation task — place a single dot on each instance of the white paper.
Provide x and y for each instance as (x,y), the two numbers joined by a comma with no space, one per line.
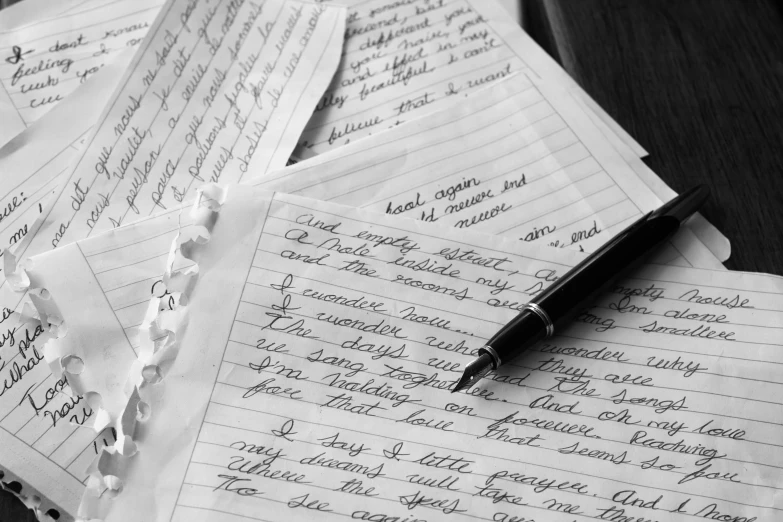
(404,59)
(45,59)
(215,91)
(40,447)
(33,161)
(323,340)
(516,159)
(47,452)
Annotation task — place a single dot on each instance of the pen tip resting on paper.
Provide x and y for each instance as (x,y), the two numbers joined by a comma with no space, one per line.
(474,372)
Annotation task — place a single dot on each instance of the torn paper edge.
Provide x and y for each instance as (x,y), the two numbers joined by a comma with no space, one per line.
(160,334)
(38,311)
(32,498)
(16,275)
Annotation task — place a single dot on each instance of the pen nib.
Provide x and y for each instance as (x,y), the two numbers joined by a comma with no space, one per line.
(474,372)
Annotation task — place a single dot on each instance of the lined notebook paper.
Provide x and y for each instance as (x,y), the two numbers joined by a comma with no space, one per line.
(45,60)
(707,233)
(517,159)
(47,451)
(322,341)
(40,433)
(402,59)
(33,162)
(215,90)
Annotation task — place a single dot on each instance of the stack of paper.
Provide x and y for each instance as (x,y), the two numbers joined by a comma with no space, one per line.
(216,306)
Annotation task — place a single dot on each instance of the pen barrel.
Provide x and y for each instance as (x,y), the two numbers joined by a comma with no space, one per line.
(579,287)
(548,312)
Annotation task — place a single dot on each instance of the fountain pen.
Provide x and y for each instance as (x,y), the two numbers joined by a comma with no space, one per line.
(572,292)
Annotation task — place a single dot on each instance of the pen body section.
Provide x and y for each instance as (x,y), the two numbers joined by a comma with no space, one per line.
(522,332)
(579,287)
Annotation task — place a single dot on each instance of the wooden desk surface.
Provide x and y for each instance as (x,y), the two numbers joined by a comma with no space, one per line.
(700,84)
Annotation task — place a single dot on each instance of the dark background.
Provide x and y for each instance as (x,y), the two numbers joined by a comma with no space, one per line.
(699,83)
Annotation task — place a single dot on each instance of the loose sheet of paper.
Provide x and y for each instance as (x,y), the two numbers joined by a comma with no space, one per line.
(43,447)
(322,343)
(215,91)
(402,59)
(45,60)
(517,159)
(32,163)
(406,59)
(34,410)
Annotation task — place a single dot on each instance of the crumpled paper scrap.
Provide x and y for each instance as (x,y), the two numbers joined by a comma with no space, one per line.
(159,337)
